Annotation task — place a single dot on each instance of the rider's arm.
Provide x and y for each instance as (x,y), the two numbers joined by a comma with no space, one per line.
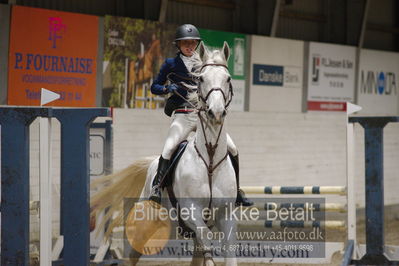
(158,86)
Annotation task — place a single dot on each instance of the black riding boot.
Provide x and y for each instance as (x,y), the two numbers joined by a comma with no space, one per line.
(241,198)
(163,166)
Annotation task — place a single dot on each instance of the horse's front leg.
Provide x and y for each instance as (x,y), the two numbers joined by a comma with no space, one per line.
(198,258)
(202,233)
(227,226)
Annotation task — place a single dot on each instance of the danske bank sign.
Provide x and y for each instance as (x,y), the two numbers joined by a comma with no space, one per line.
(270,75)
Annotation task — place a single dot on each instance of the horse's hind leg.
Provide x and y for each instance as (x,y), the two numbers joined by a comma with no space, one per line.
(134,257)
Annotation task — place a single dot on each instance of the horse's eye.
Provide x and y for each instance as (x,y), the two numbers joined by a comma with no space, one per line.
(228,79)
(201,79)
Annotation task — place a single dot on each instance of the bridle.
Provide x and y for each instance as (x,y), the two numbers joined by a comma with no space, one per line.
(227,99)
(211,148)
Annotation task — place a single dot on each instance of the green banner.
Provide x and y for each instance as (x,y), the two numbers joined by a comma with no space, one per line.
(237,42)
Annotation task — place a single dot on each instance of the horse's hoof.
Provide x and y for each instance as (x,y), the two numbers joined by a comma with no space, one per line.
(209,262)
(154,204)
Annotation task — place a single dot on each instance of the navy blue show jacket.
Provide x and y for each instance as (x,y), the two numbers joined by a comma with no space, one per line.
(175,70)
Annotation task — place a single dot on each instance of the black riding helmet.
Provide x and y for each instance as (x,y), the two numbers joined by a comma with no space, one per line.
(187,32)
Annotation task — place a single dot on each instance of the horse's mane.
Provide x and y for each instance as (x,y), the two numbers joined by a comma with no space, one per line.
(192,96)
(197,63)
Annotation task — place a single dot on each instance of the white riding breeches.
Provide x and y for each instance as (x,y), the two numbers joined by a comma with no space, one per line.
(231,147)
(179,130)
(181,127)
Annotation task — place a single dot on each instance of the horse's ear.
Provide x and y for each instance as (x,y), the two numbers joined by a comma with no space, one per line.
(202,51)
(226,51)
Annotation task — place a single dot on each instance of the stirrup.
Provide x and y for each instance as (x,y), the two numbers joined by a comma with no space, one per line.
(155,196)
(242,200)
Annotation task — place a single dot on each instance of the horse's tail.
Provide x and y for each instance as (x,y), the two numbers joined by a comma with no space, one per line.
(114,188)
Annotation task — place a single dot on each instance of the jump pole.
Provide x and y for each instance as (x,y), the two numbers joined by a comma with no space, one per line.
(297,190)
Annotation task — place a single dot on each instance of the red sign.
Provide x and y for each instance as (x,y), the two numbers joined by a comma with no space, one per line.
(326,106)
(52,50)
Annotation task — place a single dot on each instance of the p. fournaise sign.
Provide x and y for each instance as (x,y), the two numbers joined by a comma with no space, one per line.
(55,50)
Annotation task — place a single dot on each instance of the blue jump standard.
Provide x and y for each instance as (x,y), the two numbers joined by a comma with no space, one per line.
(75,124)
(15,182)
(373,127)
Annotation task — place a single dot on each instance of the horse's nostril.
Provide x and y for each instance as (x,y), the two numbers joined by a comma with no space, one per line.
(211,114)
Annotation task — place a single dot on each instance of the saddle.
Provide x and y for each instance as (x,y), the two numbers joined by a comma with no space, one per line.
(167,181)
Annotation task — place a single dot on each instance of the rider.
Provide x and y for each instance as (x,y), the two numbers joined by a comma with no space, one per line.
(178,70)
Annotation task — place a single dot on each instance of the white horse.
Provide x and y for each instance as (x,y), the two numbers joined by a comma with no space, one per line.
(204,176)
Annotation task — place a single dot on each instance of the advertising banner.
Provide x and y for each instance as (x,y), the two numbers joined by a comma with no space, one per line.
(280,76)
(331,76)
(52,50)
(276,75)
(134,51)
(237,43)
(377,82)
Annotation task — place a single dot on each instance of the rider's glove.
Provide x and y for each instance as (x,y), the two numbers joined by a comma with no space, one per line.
(172,87)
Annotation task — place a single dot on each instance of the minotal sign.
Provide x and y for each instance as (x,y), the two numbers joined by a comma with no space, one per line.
(377,82)
(331,76)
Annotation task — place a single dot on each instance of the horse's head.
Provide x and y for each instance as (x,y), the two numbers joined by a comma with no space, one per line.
(214,88)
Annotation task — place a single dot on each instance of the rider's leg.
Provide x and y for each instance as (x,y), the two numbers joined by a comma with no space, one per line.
(233,153)
(163,165)
(179,130)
